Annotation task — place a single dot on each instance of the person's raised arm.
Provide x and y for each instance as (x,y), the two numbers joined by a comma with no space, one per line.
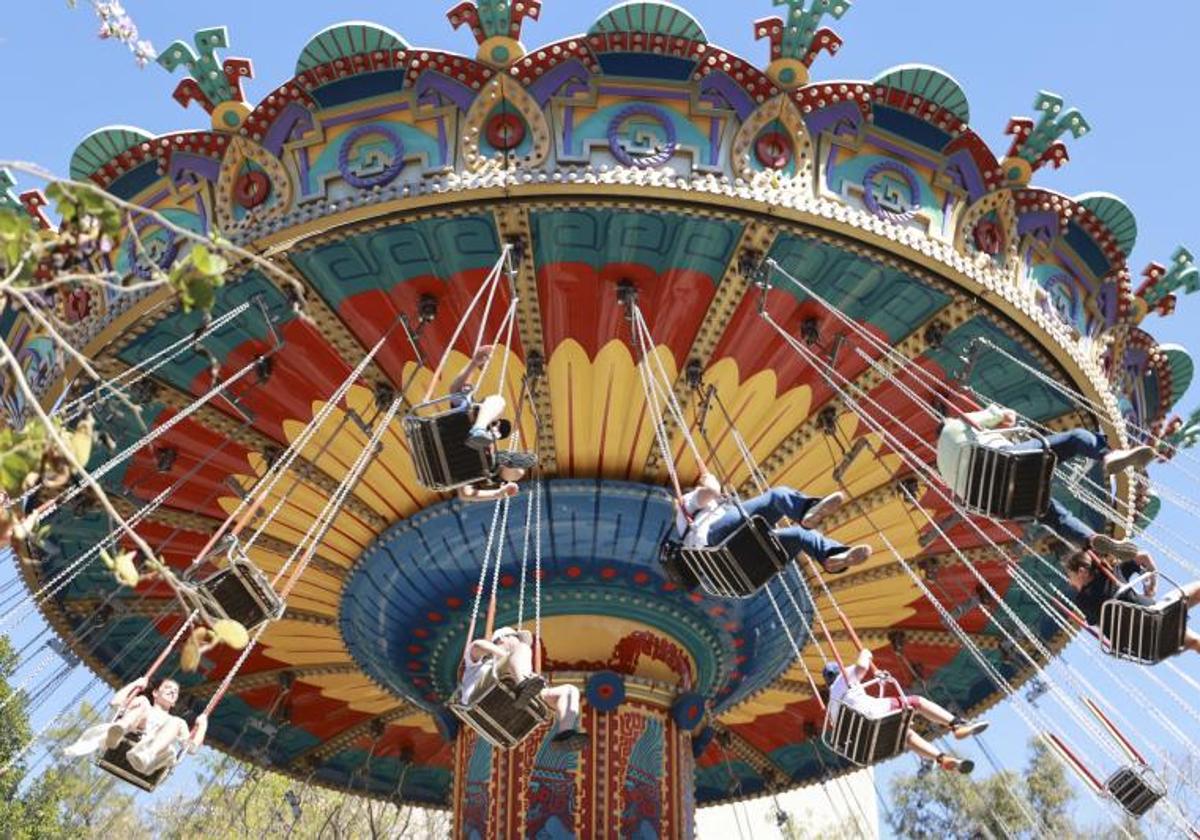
(482,647)
(196,739)
(992,417)
(122,697)
(476,363)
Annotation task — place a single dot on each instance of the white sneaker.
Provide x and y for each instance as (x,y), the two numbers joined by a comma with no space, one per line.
(823,508)
(1122,459)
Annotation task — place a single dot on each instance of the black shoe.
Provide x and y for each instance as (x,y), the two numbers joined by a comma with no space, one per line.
(515,460)
(529,688)
(570,740)
(480,439)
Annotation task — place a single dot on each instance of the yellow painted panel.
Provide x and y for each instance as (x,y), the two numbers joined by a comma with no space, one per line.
(312,657)
(566,644)
(762,416)
(598,408)
(374,707)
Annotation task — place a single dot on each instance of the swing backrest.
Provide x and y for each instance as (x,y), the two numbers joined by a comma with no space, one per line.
(241,592)
(436,433)
(864,739)
(1144,634)
(1009,485)
(740,565)
(495,715)
(1135,788)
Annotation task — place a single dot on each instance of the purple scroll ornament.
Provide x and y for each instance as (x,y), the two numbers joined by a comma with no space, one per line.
(656,158)
(379,178)
(872,200)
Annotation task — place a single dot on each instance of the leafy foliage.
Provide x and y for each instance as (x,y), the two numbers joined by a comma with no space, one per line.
(1033,804)
(33,812)
(196,278)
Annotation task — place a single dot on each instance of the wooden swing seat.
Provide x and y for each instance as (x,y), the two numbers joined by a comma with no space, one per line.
(864,740)
(436,435)
(737,567)
(495,715)
(241,592)
(116,762)
(1009,485)
(1135,788)
(1143,634)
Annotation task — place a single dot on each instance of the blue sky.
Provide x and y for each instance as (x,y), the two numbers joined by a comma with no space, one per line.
(1128,68)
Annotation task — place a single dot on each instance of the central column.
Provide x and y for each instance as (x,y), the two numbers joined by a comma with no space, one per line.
(634,778)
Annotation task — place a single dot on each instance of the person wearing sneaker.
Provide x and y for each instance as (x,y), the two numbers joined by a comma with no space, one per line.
(509,656)
(847,687)
(705,518)
(957,434)
(161,731)
(1092,588)
(488,429)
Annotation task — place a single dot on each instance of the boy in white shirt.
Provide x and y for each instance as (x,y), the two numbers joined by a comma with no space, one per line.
(846,687)
(161,731)
(509,656)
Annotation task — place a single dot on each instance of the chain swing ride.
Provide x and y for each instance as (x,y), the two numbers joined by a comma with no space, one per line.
(644,268)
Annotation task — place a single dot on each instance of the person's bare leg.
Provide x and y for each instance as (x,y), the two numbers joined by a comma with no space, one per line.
(490,410)
(932,712)
(922,747)
(134,716)
(1192,641)
(1191,593)
(157,751)
(565,704)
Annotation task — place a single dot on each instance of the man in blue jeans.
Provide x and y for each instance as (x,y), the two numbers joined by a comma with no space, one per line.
(959,434)
(705,518)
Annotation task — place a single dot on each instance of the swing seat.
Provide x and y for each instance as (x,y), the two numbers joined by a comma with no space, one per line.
(1009,485)
(242,593)
(436,435)
(865,740)
(1142,634)
(495,715)
(1135,788)
(116,762)
(737,567)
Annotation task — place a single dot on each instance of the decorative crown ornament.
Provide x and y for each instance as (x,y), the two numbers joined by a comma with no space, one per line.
(217,87)
(796,42)
(497,26)
(1157,292)
(1035,145)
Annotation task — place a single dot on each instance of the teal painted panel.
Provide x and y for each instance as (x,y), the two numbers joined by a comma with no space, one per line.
(997,378)
(866,291)
(183,369)
(381,259)
(661,241)
(347,39)
(929,83)
(652,18)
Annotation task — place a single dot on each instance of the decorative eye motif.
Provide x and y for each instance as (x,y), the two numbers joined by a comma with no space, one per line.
(773,150)
(506,131)
(252,188)
(988,237)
